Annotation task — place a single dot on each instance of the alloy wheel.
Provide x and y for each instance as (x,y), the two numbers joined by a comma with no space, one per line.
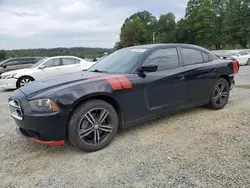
(221,94)
(95,126)
(24,81)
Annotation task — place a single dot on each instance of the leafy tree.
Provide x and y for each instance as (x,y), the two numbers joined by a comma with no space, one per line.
(2,54)
(137,29)
(183,31)
(167,28)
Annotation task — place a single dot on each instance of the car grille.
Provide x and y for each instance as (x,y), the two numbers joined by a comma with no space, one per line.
(15,109)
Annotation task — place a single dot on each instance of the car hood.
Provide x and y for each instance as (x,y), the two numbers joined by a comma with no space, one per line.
(19,71)
(37,87)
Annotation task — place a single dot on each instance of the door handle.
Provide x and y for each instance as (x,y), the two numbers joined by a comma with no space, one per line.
(181,77)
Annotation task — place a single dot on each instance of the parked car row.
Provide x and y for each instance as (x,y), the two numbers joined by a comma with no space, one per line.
(19,75)
(18,63)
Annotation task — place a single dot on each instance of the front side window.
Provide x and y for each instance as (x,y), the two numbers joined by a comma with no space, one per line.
(52,63)
(191,56)
(68,61)
(11,63)
(121,61)
(165,59)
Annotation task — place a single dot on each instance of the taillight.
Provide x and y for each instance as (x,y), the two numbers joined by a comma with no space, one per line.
(235,66)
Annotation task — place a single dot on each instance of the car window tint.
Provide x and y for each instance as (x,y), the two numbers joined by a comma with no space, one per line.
(26,61)
(205,57)
(164,58)
(243,53)
(68,61)
(11,63)
(191,56)
(52,63)
(77,61)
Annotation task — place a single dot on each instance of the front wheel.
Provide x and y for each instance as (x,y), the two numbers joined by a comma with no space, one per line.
(220,94)
(23,81)
(93,125)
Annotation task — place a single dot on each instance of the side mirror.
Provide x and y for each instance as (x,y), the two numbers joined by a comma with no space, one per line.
(42,67)
(149,68)
(4,66)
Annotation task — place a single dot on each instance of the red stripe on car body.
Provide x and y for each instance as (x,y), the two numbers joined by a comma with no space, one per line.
(50,143)
(115,84)
(124,81)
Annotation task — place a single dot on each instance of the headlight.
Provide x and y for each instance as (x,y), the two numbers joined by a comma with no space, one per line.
(43,105)
(8,76)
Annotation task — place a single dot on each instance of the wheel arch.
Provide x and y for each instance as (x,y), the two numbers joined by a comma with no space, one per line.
(100,96)
(226,77)
(22,76)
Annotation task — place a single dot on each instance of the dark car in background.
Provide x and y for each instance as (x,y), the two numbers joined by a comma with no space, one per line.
(18,63)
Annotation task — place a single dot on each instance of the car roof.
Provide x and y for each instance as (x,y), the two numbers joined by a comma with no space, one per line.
(152,46)
(63,56)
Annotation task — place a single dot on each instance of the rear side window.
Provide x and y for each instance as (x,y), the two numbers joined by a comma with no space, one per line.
(68,61)
(205,57)
(243,53)
(27,61)
(165,59)
(191,56)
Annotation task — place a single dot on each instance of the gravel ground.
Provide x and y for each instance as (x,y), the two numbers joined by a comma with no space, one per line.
(195,148)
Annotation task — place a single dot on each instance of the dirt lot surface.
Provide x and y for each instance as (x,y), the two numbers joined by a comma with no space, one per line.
(195,148)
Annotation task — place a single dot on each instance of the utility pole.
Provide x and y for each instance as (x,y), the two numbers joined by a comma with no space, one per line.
(153,37)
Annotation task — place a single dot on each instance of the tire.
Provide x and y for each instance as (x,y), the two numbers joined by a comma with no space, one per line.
(248,62)
(83,133)
(219,96)
(24,80)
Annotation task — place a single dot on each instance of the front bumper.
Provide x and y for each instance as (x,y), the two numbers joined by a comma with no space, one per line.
(26,134)
(44,128)
(8,83)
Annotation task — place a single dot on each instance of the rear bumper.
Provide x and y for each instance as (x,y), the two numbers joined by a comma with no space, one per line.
(8,83)
(232,84)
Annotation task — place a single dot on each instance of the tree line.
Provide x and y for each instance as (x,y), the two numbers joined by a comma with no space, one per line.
(81,52)
(214,24)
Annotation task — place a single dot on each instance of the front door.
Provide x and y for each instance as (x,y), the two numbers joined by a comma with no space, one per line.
(52,67)
(165,89)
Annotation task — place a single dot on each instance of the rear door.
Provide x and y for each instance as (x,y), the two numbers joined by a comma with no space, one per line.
(70,65)
(26,63)
(200,74)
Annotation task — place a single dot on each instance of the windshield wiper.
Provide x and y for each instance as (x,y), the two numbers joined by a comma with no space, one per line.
(96,70)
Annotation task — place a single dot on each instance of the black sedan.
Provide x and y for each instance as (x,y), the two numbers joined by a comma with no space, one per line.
(130,86)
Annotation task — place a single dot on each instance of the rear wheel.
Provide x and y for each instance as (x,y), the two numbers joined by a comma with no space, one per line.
(220,94)
(24,80)
(93,125)
(248,62)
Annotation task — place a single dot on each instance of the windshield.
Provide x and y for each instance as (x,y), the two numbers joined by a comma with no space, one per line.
(121,61)
(39,63)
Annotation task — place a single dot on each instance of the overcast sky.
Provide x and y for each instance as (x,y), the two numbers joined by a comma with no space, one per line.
(68,23)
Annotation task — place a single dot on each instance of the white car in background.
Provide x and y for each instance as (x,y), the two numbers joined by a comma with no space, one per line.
(243,56)
(45,68)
